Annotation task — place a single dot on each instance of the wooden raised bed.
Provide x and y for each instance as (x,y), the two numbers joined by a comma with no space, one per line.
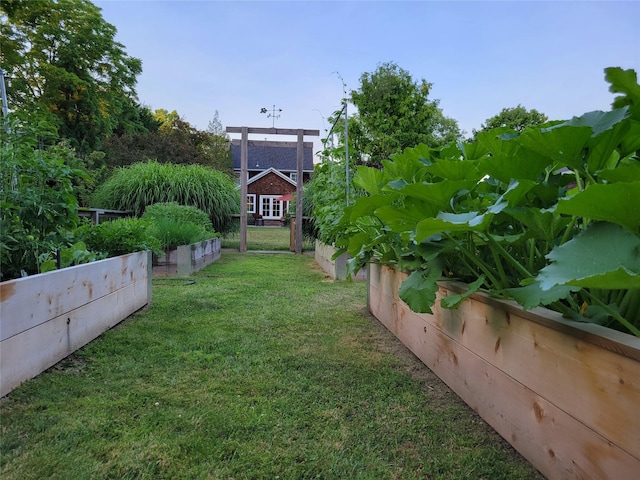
(47,317)
(565,395)
(186,259)
(336,269)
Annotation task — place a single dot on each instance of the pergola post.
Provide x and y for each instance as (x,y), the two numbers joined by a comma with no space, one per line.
(244,173)
(299,194)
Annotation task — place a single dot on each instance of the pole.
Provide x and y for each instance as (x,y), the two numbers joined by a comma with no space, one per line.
(5,107)
(244,173)
(299,194)
(346,147)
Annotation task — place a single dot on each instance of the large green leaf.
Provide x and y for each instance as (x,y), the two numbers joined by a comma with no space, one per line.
(603,256)
(532,295)
(420,288)
(366,206)
(598,121)
(369,179)
(515,163)
(437,194)
(631,142)
(627,173)
(455,170)
(602,147)
(473,150)
(451,222)
(405,217)
(563,144)
(623,81)
(617,203)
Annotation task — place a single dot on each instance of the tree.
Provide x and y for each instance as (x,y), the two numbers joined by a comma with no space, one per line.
(218,145)
(175,141)
(394,113)
(61,58)
(517,118)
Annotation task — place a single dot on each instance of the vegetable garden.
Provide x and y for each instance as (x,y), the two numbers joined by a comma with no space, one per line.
(545,216)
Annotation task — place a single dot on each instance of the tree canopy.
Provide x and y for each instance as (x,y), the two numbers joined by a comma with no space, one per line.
(61,58)
(517,118)
(175,141)
(394,113)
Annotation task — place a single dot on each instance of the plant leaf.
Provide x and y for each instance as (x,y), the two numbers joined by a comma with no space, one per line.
(623,81)
(623,173)
(450,222)
(438,194)
(563,143)
(616,203)
(532,295)
(603,256)
(370,179)
(419,289)
(454,301)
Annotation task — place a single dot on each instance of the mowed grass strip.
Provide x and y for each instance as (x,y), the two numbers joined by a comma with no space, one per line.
(265,238)
(255,368)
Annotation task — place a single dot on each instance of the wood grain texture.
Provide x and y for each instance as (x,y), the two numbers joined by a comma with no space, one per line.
(39,298)
(30,352)
(568,406)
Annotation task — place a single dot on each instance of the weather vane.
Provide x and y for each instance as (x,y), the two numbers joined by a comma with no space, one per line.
(272,114)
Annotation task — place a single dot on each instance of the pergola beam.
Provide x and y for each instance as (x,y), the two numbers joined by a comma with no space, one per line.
(274,131)
(244,144)
(271,143)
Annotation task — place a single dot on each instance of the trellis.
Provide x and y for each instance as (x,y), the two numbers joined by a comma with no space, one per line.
(299,144)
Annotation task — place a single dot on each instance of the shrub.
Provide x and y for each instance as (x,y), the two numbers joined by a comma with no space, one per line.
(142,184)
(38,206)
(328,199)
(119,237)
(180,214)
(175,224)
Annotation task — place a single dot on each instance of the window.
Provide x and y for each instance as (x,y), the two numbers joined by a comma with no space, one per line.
(251,203)
(270,207)
(294,176)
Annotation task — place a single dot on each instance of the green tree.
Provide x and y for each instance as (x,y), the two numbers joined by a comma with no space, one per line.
(175,141)
(394,113)
(218,145)
(517,118)
(61,58)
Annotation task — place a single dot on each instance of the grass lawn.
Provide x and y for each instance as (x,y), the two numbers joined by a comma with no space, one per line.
(255,368)
(264,238)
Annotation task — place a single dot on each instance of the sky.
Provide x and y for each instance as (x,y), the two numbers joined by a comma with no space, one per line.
(237,57)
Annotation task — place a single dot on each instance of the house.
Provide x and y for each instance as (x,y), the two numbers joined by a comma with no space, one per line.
(272,176)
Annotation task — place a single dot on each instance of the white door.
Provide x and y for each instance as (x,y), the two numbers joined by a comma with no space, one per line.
(270,208)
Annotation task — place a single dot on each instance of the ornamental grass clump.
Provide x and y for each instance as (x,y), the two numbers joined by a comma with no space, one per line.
(140,185)
(548,216)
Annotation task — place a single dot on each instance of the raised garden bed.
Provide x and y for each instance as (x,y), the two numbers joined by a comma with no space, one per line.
(184,260)
(47,317)
(336,269)
(564,394)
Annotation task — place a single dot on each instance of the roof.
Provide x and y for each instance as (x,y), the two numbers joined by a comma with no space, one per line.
(270,170)
(282,158)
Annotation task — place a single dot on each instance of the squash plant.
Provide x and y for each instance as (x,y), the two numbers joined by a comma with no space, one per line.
(549,216)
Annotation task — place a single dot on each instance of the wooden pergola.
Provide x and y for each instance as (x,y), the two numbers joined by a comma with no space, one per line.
(244,142)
